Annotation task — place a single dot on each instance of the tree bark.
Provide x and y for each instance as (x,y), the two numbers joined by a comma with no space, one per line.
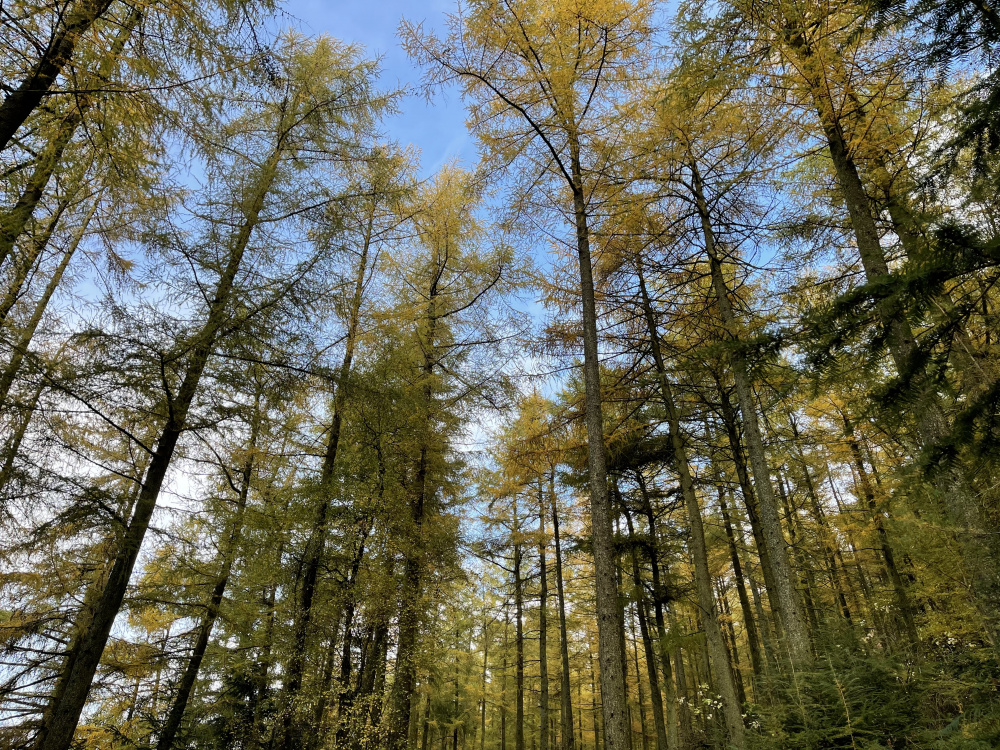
(13,222)
(703,580)
(749,622)
(316,542)
(610,643)
(22,101)
(647,646)
(168,732)
(566,712)
(543,619)
(70,694)
(20,348)
(774,540)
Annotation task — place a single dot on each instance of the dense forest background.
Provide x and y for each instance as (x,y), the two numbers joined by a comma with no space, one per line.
(670,423)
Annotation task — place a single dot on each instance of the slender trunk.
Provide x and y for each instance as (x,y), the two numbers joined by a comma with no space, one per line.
(703,580)
(543,619)
(25,262)
(640,691)
(795,546)
(409,615)
(168,732)
(503,680)
(888,554)
(566,713)
(790,612)
(316,543)
(482,703)
(827,537)
(518,642)
(732,645)
(70,693)
(610,646)
(595,712)
(425,734)
(647,646)
(731,423)
(346,696)
(749,622)
(20,348)
(659,596)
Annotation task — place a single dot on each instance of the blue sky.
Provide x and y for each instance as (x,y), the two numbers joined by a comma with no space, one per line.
(436,128)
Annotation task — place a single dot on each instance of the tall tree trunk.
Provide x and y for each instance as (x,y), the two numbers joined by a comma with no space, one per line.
(647,646)
(731,422)
(316,543)
(795,545)
(566,712)
(639,689)
(888,554)
(23,100)
(482,702)
(13,222)
(26,261)
(168,732)
(409,614)
(518,641)
(73,685)
(827,537)
(610,646)
(703,580)
(595,712)
(774,540)
(749,622)
(20,348)
(659,595)
(543,620)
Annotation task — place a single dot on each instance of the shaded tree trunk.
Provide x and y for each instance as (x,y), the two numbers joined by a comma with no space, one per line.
(73,685)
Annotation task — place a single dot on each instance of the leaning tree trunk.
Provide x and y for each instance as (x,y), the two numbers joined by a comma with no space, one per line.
(23,100)
(73,685)
(27,333)
(13,222)
(168,732)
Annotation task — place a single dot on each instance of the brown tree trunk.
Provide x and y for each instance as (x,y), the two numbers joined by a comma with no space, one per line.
(610,643)
(543,620)
(73,685)
(659,594)
(566,712)
(647,646)
(168,732)
(774,540)
(20,348)
(749,622)
(23,100)
(13,222)
(518,642)
(316,542)
(699,552)
(888,554)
